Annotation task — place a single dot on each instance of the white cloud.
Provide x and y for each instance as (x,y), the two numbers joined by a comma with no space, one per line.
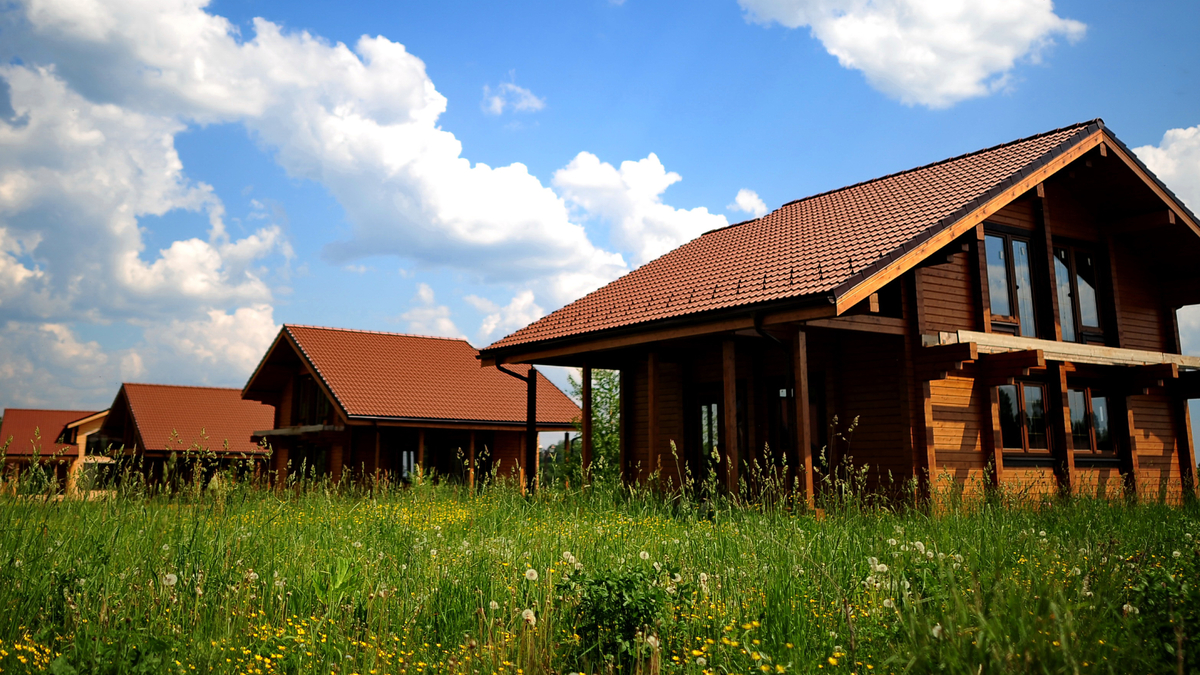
(926,52)
(1176,160)
(629,199)
(220,349)
(429,318)
(748,201)
(510,96)
(519,312)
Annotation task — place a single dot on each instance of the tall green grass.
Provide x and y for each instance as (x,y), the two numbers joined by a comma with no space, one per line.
(234,576)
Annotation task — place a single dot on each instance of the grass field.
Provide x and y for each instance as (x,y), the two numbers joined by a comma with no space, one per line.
(437,579)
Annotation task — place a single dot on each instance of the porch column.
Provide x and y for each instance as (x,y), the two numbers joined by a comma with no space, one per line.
(279,460)
(1132,472)
(730,435)
(531,434)
(585,422)
(652,414)
(1058,423)
(993,440)
(803,423)
(336,458)
(377,443)
(421,449)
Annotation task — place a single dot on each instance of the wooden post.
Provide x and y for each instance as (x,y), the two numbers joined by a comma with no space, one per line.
(376,452)
(280,459)
(1133,478)
(926,446)
(531,432)
(471,459)
(1115,326)
(1186,449)
(623,405)
(585,422)
(983,314)
(421,449)
(336,456)
(803,420)
(1042,216)
(652,451)
(993,439)
(1058,422)
(730,440)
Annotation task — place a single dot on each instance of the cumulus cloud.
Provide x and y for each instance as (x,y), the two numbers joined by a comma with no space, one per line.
(429,318)
(933,53)
(519,312)
(748,201)
(219,349)
(510,96)
(1176,160)
(629,200)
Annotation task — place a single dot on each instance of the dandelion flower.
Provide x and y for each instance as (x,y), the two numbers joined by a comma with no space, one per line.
(881,568)
(529,617)
(493,605)
(1175,554)
(357,544)
(920,546)
(644,556)
(936,631)
(1042,533)
(252,575)
(652,641)
(531,574)
(832,661)
(1129,609)
(891,542)
(701,662)
(703,578)
(170,580)
(889,603)
(166,547)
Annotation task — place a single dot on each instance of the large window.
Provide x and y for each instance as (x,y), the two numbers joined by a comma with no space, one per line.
(1091,430)
(1010,284)
(1023,417)
(1076,277)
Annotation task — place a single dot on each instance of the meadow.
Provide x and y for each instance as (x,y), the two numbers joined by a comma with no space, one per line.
(436,578)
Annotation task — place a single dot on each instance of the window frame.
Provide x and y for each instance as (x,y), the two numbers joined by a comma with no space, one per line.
(1089,393)
(1083,334)
(1011,323)
(1025,451)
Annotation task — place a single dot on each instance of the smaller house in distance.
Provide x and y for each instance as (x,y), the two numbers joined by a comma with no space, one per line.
(155,420)
(60,437)
(378,402)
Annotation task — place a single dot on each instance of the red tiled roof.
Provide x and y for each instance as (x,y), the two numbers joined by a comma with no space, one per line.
(375,374)
(221,414)
(807,247)
(20,423)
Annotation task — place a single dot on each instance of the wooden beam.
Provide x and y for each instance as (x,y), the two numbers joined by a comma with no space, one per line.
(1058,423)
(863,323)
(803,421)
(926,447)
(538,353)
(585,422)
(873,303)
(729,428)
(1186,449)
(1133,483)
(910,259)
(1156,375)
(1011,364)
(1069,351)
(937,362)
(1049,315)
(652,451)
(624,405)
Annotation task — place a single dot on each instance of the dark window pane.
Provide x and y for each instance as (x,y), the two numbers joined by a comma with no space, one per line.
(1035,417)
(1079,422)
(1085,284)
(1100,423)
(997,276)
(1024,278)
(1062,278)
(1010,418)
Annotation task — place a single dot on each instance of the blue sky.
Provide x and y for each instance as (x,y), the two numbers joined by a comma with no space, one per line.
(178,180)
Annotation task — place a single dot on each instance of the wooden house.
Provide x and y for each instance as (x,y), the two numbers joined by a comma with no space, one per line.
(152,421)
(386,402)
(57,438)
(1002,317)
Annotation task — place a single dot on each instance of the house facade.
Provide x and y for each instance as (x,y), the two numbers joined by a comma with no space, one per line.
(385,403)
(57,438)
(152,422)
(1006,317)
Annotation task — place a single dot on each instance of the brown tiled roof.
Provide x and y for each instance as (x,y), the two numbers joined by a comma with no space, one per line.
(374,374)
(221,414)
(19,425)
(819,245)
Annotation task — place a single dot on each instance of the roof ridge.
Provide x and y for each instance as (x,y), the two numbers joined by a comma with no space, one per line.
(377,332)
(178,386)
(1078,125)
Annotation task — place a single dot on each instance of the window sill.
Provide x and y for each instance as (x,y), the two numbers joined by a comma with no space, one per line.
(1024,460)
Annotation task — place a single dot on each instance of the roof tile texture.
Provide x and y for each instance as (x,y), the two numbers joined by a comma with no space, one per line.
(806,247)
(20,423)
(396,375)
(221,414)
